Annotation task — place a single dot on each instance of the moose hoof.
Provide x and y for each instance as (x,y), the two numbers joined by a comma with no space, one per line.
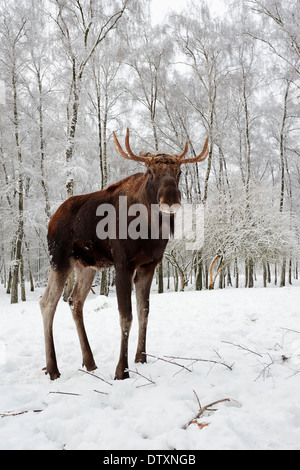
(89,367)
(140,358)
(121,374)
(53,374)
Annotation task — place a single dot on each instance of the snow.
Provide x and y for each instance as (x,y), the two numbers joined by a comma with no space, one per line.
(263,385)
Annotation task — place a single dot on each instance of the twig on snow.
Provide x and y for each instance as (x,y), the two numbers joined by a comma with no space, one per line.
(102,393)
(143,376)
(170,362)
(242,347)
(202,409)
(12,413)
(265,372)
(200,360)
(288,329)
(94,375)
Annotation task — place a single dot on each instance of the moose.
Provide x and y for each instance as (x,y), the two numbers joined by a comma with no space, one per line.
(74,246)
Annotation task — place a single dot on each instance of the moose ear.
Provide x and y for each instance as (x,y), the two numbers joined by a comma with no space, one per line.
(144,154)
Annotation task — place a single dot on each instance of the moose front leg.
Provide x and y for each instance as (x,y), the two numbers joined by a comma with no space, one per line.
(143,280)
(123,287)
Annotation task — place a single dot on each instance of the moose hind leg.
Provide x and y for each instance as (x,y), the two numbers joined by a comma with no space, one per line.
(48,304)
(143,280)
(83,284)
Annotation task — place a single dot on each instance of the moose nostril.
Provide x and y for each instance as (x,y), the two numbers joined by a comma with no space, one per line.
(172,209)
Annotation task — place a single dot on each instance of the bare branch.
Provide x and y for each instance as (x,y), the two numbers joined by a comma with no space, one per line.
(96,376)
(288,329)
(105,29)
(144,377)
(102,393)
(243,347)
(170,362)
(201,360)
(203,409)
(12,413)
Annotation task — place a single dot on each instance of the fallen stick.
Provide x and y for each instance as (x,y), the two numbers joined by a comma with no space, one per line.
(200,360)
(288,329)
(11,413)
(170,362)
(143,376)
(243,348)
(96,376)
(102,393)
(202,409)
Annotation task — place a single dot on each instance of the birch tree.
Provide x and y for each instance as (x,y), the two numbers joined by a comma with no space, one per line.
(279,29)
(81,28)
(12,38)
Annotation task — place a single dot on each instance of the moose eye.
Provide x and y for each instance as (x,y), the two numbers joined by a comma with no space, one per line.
(149,172)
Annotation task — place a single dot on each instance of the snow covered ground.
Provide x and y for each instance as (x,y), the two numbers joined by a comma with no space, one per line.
(249,330)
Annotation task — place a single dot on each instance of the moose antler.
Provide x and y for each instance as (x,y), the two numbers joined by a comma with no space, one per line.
(145,159)
(131,155)
(184,152)
(200,158)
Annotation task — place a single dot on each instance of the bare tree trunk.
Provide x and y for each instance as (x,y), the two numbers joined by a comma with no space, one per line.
(42,147)
(22,280)
(168,275)
(246,273)
(29,267)
(282,166)
(282,145)
(199,282)
(283,273)
(212,99)
(268,273)
(265,274)
(160,278)
(290,272)
(175,279)
(251,273)
(237,279)
(20,223)
(104,288)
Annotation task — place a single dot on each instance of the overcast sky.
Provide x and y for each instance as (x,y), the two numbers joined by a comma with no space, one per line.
(161,7)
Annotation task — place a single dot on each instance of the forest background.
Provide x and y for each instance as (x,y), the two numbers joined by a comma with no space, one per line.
(74,71)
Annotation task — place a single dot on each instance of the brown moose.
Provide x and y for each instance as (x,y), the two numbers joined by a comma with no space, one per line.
(74,245)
